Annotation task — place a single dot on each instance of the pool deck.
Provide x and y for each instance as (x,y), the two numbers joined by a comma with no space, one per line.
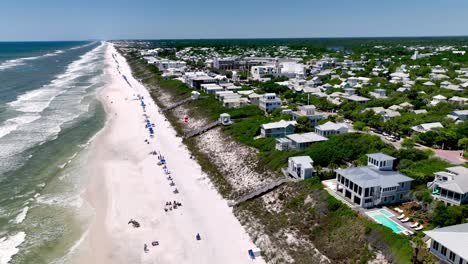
(405,226)
(329,186)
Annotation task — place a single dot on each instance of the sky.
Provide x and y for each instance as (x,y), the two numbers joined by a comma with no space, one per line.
(30,20)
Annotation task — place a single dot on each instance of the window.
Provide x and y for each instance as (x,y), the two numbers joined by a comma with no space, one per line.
(460,260)
(443,251)
(366,192)
(435,245)
(451,256)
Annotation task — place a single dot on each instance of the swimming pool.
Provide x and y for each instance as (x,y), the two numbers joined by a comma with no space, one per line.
(382,217)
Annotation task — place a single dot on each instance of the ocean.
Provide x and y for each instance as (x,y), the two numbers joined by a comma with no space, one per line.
(49,113)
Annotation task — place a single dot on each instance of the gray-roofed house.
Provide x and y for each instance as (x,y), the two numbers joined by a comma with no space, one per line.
(375,184)
(310,112)
(330,128)
(269,102)
(450,244)
(456,115)
(451,186)
(423,128)
(300,167)
(304,140)
(278,129)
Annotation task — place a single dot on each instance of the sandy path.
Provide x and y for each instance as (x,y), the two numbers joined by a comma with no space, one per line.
(127,183)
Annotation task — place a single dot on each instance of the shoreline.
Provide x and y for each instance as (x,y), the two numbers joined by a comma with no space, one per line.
(126,183)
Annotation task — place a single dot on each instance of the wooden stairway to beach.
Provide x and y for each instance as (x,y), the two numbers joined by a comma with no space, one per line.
(176,104)
(201,130)
(260,190)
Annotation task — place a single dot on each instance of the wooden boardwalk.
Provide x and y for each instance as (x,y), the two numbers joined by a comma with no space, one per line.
(201,130)
(259,191)
(176,104)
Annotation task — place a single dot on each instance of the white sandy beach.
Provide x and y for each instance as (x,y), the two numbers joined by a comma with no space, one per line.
(127,183)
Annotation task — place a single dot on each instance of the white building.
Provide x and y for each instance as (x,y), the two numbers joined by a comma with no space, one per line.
(438,99)
(269,102)
(375,184)
(300,167)
(423,128)
(298,141)
(259,72)
(330,128)
(451,186)
(310,112)
(379,93)
(292,70)
(278,129)
(450,244)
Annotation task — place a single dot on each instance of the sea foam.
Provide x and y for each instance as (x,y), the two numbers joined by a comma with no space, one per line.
(9,246)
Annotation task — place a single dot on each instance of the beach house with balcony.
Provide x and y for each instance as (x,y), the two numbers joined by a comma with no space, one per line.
(449,244)
(451,186)
(278,129)
(269,102)
(373,185)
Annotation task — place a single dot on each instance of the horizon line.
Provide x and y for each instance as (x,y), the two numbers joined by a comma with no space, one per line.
(245,38)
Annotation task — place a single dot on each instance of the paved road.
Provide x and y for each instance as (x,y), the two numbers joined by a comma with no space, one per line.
(453,156)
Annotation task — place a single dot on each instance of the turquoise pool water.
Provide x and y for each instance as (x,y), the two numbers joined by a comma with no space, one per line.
(383,217)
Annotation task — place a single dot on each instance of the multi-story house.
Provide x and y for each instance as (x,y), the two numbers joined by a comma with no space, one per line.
(375,184)
(310,112)
(450,244)
(269,102)
(451,186)
(278,129)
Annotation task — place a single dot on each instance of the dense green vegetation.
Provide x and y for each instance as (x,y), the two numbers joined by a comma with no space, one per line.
(328,224)
(336,230)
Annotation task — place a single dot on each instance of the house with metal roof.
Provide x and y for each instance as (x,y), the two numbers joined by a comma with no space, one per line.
(278,129)
(423,128)
(310,112)
(300,167)
(458,115)
(451,186)
(375,184)
(269,102)
(450,244)
(331,128)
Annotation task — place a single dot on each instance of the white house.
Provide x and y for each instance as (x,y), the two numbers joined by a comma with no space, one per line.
(278,129)
(459,115)
(458,100)
(423,128)
(451,186)
(300,167)
(269,102)
(211,88)
(379,93)
(450,244)
(259,72)
(254,98)
(292,69)
(375,184)
(438,99)
(310,112)
(303,140)
(330,128)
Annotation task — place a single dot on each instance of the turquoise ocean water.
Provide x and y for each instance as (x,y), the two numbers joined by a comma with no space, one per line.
(48,114)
